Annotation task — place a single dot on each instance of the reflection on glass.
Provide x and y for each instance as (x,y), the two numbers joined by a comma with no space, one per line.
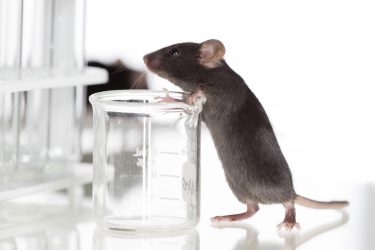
(45,233)
(106,239)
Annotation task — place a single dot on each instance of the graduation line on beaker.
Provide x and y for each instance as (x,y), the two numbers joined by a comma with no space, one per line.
(168,153)
(169,175)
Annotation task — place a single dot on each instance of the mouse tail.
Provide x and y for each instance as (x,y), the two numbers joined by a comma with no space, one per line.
(306,202)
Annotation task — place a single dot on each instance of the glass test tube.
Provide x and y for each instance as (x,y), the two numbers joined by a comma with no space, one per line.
(34,112)
(10,39)
(8,135)
(67,111)
(68,37)
(37,38)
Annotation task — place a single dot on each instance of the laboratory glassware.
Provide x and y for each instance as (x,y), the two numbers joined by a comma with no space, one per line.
(9,103)
(10,39)
(146,160)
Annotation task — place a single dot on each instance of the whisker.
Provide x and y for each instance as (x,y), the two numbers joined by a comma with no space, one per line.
(119,70)
(138,81)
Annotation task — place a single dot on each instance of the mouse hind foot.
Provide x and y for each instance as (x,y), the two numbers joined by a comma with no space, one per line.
(252,208)
(289,222)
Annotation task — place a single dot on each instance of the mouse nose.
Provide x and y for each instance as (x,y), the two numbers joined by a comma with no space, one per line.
(152,61)
(145,59)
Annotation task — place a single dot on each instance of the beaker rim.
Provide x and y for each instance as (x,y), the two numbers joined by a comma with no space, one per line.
(126,101)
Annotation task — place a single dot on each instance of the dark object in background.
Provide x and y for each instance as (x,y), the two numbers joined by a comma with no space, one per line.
(120,77)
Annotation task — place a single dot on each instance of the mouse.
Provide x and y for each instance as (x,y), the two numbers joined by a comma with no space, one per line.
(253,163)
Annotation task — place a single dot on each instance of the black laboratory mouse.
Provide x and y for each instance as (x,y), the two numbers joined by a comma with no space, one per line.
(254,165)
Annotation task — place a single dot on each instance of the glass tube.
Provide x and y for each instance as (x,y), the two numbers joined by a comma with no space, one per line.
(34,114)
(37,38)
(68,37)
(8,135)
(65,125)
(62,237)
(32,241)
(10,39)
(8,244)
(146,160)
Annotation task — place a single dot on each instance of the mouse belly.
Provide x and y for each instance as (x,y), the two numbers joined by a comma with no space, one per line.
(253,163)
(250,189)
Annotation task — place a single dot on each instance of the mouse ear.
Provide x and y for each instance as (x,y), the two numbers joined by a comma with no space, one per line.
(211,52)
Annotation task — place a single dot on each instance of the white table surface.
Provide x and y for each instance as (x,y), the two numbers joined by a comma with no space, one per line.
(323,169)
(47,224)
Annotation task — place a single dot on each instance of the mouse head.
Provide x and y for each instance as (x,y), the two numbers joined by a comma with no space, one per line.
(186,64)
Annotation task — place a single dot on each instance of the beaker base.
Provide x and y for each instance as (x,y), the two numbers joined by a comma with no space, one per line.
(155,223)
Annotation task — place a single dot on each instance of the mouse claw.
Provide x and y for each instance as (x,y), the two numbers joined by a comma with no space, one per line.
(219,220)
(288,227)
(166,98)
(196,98)
(215,219)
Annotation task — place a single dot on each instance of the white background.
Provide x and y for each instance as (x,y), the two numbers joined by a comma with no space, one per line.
(311,64)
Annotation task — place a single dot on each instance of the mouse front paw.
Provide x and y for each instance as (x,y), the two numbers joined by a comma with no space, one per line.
(196,97)
(166,98)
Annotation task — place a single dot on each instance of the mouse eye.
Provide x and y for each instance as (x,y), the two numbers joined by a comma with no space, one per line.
(174,52)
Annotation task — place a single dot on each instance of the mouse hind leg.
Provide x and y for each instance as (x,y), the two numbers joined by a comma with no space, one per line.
(252,208)
(290,217)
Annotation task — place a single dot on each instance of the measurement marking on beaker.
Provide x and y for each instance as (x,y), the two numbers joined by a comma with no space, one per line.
(169,175)
(170,243)
(168,153)
(168,198)
(139,154)
(139,162)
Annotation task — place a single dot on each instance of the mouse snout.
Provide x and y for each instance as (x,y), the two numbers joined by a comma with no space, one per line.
(152,62)
(145,59)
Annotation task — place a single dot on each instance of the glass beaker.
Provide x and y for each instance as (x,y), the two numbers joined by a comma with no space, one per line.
(107,239)
(146,160)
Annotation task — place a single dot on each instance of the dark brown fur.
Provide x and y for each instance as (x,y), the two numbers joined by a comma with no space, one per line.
(254,165)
